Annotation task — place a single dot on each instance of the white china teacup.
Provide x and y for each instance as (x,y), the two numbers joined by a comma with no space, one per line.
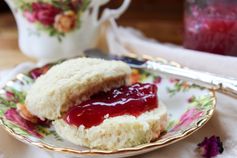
(53,29)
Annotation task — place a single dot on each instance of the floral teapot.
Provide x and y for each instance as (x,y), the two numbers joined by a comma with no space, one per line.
(53,29)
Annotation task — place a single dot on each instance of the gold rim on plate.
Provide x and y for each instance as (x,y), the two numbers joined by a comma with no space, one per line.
(157,144)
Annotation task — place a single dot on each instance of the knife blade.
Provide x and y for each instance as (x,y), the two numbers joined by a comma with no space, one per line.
(227,86)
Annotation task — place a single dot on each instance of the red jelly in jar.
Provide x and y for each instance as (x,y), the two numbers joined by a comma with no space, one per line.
(211,26)
(127,100)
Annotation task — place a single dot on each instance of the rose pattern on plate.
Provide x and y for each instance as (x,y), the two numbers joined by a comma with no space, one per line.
(187,118)
(180,85)
(54,16)
(197,106)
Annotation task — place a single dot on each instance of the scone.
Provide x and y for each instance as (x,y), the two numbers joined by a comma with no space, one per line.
(93,104)
(72,82)
(117,132)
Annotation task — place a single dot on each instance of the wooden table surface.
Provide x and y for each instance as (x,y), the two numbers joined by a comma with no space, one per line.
(162,29)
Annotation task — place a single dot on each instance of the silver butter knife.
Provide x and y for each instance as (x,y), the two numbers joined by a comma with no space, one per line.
(220,84)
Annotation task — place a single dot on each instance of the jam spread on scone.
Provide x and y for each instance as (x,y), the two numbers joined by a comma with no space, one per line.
(126,100)
(90,104)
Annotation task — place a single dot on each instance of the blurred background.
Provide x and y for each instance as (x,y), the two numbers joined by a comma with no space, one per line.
(158,19)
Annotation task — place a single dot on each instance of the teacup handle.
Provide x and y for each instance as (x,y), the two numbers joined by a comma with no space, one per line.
(107,13)
(114,13)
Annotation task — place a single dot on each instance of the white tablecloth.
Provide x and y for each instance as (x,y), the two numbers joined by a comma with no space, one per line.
(122,40)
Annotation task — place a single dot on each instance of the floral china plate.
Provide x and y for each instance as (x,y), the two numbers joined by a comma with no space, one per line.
(189,107)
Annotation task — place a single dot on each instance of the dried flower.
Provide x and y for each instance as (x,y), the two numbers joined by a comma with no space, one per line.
(65,22)
(210,147)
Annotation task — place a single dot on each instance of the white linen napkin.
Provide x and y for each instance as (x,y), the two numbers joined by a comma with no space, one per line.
(223,123)
(128,40)
(123,40)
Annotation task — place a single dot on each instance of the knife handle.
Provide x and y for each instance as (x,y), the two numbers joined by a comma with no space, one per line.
(227,86)
(221,84)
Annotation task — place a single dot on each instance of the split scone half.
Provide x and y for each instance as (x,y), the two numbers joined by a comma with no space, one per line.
(117,132)
(72,82)
(79,84)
